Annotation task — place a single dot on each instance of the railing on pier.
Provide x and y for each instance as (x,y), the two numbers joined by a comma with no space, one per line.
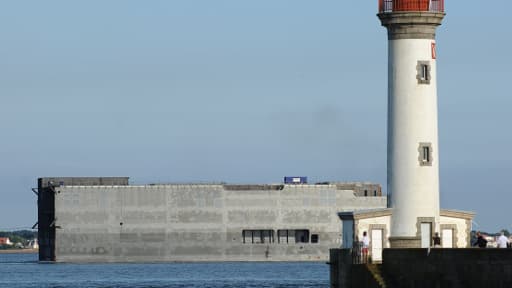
(388,6)
(359,255)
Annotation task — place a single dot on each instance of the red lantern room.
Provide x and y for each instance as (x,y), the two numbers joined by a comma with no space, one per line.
(389,6)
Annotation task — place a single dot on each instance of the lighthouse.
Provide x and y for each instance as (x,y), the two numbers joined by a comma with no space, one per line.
(413,151)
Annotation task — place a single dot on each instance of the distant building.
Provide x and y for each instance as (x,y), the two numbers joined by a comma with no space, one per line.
(5,241)
(107,220)
(33,244)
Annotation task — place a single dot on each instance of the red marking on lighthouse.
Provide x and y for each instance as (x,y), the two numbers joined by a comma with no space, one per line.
(433,45)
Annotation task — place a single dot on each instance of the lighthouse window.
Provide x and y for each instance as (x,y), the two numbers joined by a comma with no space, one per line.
(426,154)
(425,157)
(423,70)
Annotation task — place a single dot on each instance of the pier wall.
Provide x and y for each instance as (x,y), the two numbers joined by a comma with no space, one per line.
(426,268)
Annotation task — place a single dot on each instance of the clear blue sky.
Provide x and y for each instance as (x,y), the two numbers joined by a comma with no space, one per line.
(242,92)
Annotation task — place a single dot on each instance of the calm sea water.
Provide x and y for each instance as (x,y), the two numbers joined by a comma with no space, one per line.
(22,270)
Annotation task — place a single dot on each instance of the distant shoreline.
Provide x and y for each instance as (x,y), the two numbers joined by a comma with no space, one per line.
(19,251)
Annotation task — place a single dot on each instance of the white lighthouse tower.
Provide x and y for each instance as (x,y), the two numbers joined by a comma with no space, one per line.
(413,151)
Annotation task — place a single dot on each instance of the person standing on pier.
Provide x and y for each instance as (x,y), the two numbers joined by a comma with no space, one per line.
(437,240)
(480,240)
(502,241)
(366,246)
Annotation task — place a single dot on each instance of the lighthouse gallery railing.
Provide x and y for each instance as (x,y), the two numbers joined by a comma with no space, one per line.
(388,6)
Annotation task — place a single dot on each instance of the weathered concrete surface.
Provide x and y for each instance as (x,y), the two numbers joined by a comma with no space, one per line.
(344,274)
(424,268)
(450,268)
(198,222)
(340,264)
(46,207)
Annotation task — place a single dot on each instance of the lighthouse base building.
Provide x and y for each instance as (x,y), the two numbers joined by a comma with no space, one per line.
(455,230)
